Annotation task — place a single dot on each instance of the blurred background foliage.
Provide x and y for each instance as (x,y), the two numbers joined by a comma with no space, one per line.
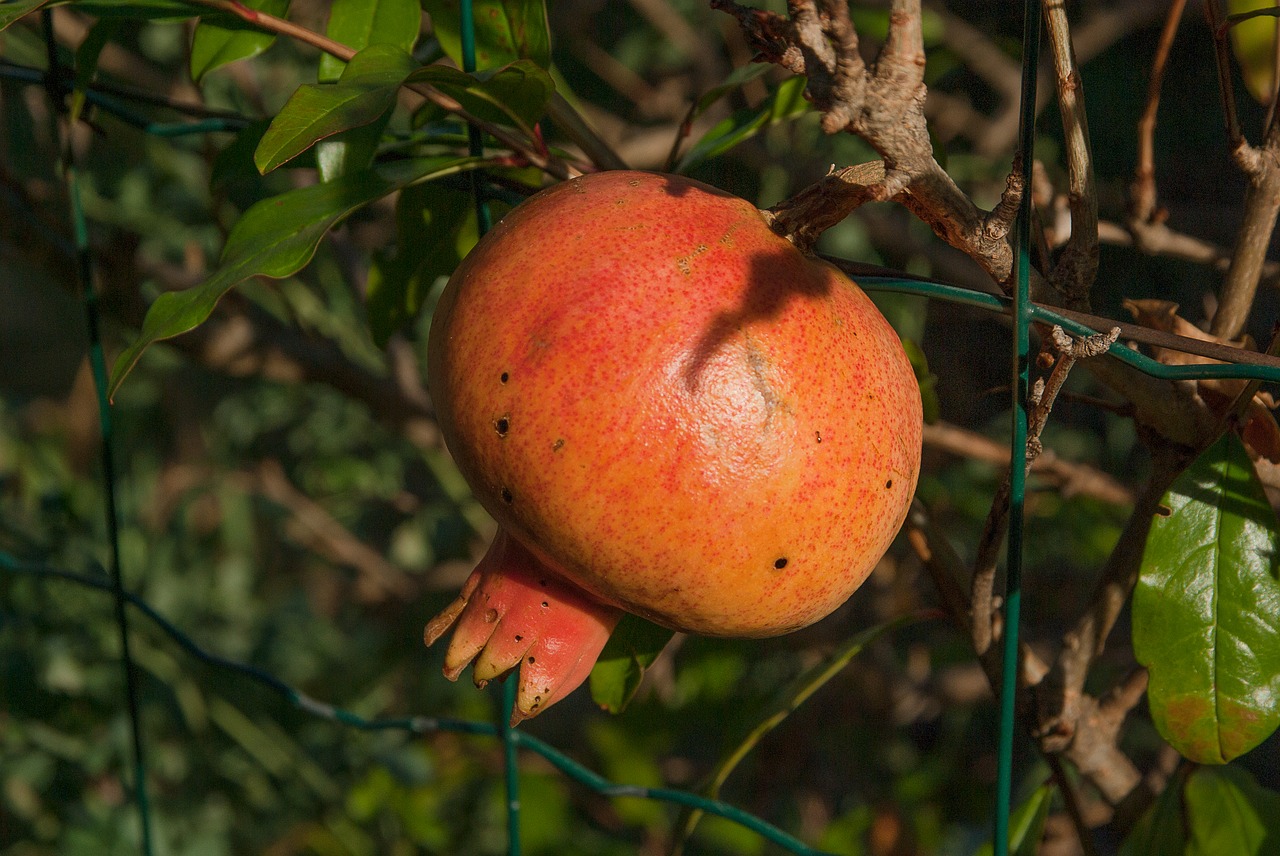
(288,523)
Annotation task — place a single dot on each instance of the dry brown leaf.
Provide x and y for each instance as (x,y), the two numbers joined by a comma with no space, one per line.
(1259,429)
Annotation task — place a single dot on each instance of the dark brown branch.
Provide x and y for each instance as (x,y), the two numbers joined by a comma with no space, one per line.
(1142,192)
(1077,267)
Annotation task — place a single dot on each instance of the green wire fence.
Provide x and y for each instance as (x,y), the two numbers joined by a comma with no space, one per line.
(1020,308)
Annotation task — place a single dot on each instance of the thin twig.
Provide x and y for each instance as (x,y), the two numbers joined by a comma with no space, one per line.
(1142,193)
(1045,394)
(1071,800)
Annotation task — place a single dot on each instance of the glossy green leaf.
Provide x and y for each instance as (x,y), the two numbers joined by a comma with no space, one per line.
(516,94)
(217,44)
(506,30)
(276,238)
(360,23)
(785,703)
(785,102)
(1253,42)
(1227,811)
(17,9)
(1206,610)
(632,648)
(365,93)
(1026,823)
(1159,832)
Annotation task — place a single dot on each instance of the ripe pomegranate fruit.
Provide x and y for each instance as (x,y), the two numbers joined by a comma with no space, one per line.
(670,410)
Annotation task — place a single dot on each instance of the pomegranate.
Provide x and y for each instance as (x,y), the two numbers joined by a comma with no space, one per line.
(670,410)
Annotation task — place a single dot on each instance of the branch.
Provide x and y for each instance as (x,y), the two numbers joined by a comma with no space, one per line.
(884,105)
(1061,697)
(1142,192)
(1078,266)
(1261,199)
(1042,399)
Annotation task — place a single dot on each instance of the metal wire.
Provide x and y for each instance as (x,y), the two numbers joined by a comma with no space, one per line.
(57,91)
(1018,442)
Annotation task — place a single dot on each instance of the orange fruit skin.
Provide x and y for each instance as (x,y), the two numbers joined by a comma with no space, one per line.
(674,408)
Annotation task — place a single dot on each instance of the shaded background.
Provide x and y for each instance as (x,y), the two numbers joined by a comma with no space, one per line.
(284,504)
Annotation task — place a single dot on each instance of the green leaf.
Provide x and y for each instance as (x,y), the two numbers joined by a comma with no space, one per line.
(276,238)
(927,380)
(506,30)
(435,227)
(87,61)
(740,75)
(350,151)
(216,45)
(1229,812)
(514,94)
(1206,610)
(150,10)
(1159,832)
(1026,823)
(366,92)
(787,702)
(360,23)
(632,648)
(17,9)
(1253,41)
(785,102)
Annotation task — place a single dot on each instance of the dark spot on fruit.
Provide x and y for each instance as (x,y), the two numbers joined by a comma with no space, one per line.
(505,377)
(531,660)
(491,616)
(537,700)
(506,496)
(888,484)
(817,436)
(1163,510)
(518,638)
(502,425)
(780,563)
(545,604)
(557,445)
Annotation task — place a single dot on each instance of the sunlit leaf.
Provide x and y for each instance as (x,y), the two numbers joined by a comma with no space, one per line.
(1227,811)
(506,30)
(1206,610)
(216,45)
(632,648)
(366,92)
(1253,41)
(276,238)
(360,23)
